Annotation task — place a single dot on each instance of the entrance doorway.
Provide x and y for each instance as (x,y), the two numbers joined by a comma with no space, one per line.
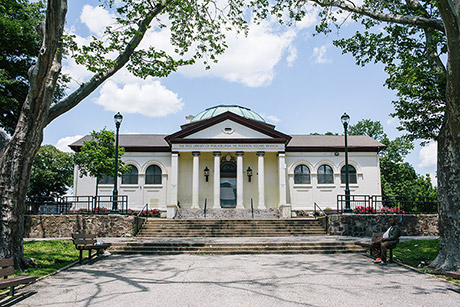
(228,185)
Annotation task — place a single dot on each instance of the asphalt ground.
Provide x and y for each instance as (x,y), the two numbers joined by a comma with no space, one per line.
(237,280)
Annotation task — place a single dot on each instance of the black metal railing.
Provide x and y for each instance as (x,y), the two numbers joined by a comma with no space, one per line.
(372,204)
(47,205)
(252,208)
(205,207)
(138,221)
(101,204)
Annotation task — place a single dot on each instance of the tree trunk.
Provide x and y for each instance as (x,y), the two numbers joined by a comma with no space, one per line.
(448,172)
(17,157)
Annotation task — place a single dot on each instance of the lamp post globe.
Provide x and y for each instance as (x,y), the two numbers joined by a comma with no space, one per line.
(117,118)
(345,118)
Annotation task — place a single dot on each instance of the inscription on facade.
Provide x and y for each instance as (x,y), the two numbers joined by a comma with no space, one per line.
(228,147)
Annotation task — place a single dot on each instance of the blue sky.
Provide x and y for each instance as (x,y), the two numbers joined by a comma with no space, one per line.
(298,82)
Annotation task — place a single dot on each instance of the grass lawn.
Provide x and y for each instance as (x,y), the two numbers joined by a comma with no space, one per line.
(416,252)
(419,254)
(49,256)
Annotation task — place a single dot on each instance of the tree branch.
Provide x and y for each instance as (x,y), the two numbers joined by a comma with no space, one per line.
(87,88)
(419,21)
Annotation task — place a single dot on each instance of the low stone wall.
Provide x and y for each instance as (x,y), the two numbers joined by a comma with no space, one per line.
(49,226)
(363,225)
(228,213)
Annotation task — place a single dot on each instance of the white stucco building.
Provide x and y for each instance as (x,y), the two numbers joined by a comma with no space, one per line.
(228,155)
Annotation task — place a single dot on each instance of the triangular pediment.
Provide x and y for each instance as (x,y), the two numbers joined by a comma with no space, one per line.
(228,127)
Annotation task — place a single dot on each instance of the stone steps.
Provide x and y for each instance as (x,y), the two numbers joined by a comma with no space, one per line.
(230,228)
(236,248)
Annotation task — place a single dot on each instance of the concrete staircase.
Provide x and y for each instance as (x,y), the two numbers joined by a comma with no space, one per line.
(174,248)
(231,228)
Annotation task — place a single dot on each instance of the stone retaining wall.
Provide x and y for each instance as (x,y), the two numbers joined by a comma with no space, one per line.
(363,225)
(50,226)
(228,213)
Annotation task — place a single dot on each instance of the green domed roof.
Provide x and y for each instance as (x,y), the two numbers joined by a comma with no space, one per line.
(238,110)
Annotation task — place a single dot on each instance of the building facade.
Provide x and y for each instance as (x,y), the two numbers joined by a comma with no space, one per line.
(228,157)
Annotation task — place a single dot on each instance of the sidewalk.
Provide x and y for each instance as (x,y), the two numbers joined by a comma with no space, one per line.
(237,280)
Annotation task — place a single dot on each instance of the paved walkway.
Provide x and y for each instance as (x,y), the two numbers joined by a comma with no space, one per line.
(237,280)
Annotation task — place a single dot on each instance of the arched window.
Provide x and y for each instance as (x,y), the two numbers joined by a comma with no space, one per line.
(106,180)
(153,175)
(130,177)
(325,174)
(301,174)
(351,174)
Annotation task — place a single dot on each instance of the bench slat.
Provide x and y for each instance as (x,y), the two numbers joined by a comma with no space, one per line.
(14,281)
(6,271)
(88,247)
(84,241)
(83,236)
(6,262)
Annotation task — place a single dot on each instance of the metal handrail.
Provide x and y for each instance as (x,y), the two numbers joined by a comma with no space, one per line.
(325,215)
(252,208)
(205,207)
(140,212)
(321,210)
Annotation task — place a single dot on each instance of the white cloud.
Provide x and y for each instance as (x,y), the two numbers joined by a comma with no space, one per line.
(310,19)
(147,97)
(428,155)
(96,18)
(250,60)
(392,122)
(319,55)
(292,56)
(272,118)
(63,143)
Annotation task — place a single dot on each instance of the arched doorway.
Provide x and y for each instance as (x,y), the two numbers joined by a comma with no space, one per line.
(228,184)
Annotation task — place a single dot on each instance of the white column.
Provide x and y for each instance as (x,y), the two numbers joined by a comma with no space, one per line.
(217,179)
(173,178)
(239,179)
(282,177)
(261,179)
(196,180)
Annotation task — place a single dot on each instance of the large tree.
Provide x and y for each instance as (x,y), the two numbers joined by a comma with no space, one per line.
(196,31)
(416,34)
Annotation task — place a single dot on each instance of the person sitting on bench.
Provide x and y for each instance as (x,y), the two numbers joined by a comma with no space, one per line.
(389,240)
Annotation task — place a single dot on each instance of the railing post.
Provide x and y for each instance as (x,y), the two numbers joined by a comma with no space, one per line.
(252,208)
(205,205)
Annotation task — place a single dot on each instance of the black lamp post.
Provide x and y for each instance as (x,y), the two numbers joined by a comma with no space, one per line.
(345,120)
(118,118)
(249,172)
(206,173)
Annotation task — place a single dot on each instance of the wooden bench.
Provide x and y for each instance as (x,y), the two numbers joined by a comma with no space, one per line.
(87,242)
(6,269)
(375,237)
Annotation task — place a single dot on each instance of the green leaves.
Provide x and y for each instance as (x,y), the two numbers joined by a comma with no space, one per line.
(195,27)
(398,178)
(19,45)
(97,156)
(52,173)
